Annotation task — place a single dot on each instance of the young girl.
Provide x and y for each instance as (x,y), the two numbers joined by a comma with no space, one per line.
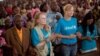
(41,35)
(89,33)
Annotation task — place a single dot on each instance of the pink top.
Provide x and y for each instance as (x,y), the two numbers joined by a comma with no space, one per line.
(33,11)
(2,42)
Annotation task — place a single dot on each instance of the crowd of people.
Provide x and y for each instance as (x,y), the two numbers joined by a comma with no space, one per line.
(49,27)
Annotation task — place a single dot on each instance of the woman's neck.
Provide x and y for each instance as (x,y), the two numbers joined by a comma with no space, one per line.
(67,18)
(40,26)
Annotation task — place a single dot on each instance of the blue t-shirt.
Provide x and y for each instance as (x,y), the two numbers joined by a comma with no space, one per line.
(86,44)
(67,27)
(51,19)
(35,37)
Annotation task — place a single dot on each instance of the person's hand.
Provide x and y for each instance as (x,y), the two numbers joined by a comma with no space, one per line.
(59,36)
(64,36)
(47,27)
(53,36)
(72,36)
(88,38)
(79,35)
(42,43)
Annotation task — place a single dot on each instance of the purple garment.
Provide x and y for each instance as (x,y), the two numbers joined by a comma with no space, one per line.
(24,19)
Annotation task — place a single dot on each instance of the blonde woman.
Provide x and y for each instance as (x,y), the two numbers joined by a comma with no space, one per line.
(67,30)
(41,35)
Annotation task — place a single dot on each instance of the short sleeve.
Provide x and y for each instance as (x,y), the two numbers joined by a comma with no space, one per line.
(58,27)
(34,37)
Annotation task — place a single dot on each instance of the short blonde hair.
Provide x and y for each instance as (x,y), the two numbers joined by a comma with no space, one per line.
(67,7)
(37,16)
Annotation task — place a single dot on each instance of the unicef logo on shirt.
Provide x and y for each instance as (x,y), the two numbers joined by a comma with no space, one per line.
(70,28)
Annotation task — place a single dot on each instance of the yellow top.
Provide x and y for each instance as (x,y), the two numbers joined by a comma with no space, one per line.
(19,32)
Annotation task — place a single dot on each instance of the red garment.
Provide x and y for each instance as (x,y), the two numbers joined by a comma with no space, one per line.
(9,11)
(33,11)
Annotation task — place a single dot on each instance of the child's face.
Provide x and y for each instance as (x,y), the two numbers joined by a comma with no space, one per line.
(23,11)
(17,10)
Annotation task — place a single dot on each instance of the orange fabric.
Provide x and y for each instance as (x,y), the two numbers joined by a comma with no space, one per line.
(19,32)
